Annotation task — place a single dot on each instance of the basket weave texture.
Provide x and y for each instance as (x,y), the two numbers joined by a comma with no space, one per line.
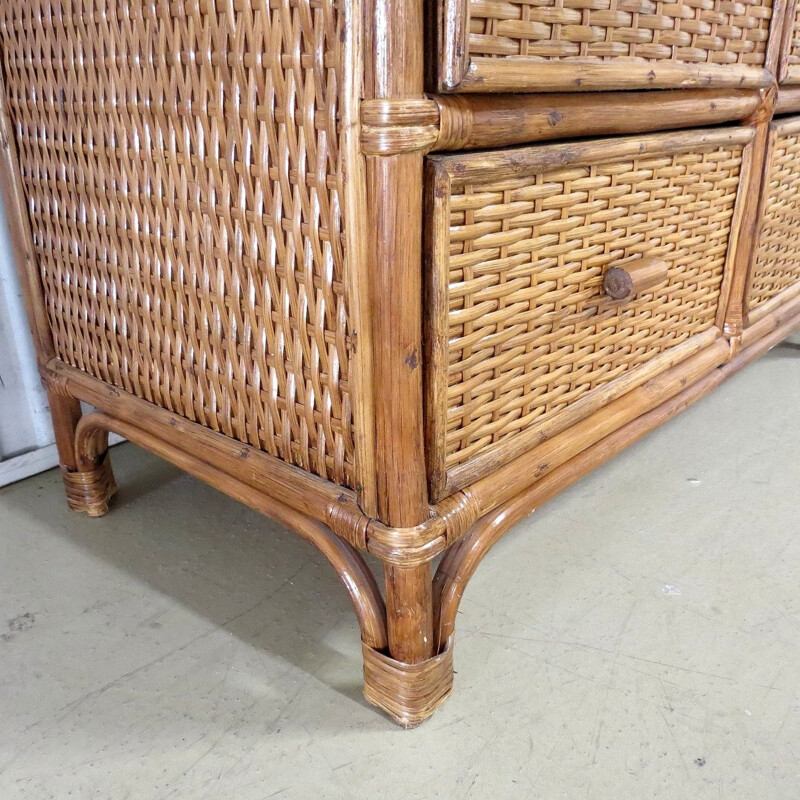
(183,179)
(693,31)
(529,331)
(792,55)
(777,264)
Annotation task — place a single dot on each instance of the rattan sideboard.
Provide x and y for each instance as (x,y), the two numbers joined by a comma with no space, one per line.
(396,272)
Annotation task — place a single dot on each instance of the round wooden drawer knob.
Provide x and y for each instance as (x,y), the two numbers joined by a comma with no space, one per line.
(620,283)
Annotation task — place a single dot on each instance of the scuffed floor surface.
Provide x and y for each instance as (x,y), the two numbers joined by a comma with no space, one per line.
(637,638)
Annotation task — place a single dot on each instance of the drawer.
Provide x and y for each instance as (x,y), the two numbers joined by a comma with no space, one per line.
(789,71)
(552,45)
(775,274)
(521,338)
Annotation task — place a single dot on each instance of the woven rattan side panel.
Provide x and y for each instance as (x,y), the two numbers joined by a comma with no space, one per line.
(182,170)
(715,32)
(529,332)
(777,264)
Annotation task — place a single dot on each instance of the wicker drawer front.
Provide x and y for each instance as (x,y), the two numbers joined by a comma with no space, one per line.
(522,339)
(790,48)
(776,269)
(185,216)
(547,45)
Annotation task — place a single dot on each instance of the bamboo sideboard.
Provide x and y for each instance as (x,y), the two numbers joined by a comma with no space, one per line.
(396,272)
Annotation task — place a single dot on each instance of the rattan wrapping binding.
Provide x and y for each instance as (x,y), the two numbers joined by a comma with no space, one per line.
(408,692)
(183,177)
(777,264)
(90,490)
(528,329)
(714,32)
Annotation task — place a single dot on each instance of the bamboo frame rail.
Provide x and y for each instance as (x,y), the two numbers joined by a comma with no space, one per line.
(468,122)
(484,75)
(450,519)
(788,100)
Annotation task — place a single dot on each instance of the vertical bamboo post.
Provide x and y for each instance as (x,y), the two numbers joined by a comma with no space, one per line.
(409,613)
(65,413)
(89,487)
(395,190)
(745,236)
(395,207)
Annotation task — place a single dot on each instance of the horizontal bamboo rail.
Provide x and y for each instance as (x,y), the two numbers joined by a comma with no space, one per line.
(495,75)
(788,100)
(184,442)
(503,164)
(467,122)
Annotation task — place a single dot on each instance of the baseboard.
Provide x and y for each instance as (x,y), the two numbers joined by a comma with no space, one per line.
(23,466)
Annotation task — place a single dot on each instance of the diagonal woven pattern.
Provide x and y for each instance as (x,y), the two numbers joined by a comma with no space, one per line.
(182,174)
(528,333)
(694,31)
(777,265)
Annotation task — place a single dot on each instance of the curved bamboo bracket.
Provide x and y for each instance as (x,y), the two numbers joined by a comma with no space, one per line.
(91,442)
(461,561)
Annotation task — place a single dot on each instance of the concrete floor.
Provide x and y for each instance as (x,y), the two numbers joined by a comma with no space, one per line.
(637,638)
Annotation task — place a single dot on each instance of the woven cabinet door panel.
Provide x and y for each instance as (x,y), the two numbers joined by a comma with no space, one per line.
(183,177)
(776,269)
(525,342)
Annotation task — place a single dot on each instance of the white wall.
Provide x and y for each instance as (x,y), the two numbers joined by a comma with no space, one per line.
(26,435)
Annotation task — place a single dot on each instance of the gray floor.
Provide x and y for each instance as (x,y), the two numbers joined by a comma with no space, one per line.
(639,637)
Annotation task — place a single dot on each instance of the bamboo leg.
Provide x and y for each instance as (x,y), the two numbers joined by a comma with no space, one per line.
(412,680)
(65,413)
(409,613)
(89,487)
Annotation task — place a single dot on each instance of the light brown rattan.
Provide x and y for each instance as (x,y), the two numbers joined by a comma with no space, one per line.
(219,234)
(790,65)
(90,490)
(691,31)
(777,263)
(183,181)
(529,331)
(409,693)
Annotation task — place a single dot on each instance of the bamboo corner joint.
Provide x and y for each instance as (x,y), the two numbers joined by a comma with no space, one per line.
(402,313)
